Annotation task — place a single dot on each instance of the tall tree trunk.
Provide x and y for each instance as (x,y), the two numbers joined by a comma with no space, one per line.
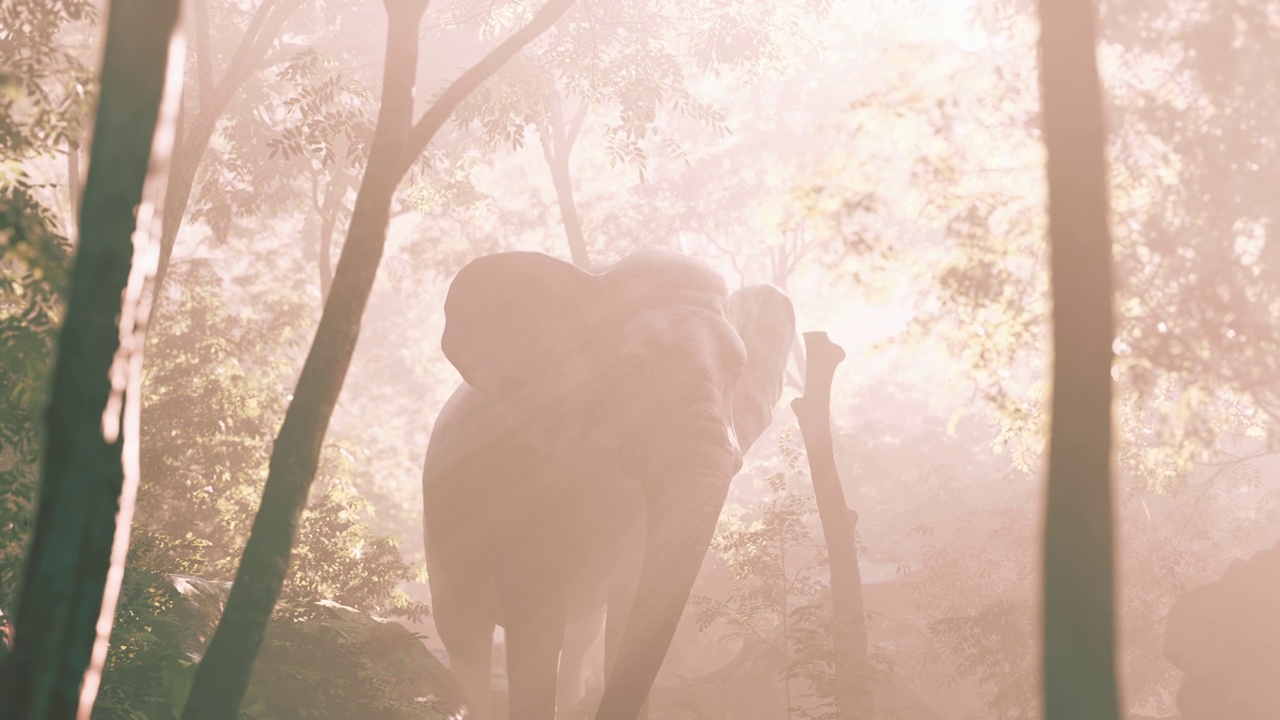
(90,469)
(1078,613)
(839,525)
(223,675)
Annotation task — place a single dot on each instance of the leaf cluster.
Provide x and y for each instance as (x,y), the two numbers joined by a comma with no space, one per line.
(44,84)
(35,260)
(779,604)
(331,112)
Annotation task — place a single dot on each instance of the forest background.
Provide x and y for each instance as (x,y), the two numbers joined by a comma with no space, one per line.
(878,160)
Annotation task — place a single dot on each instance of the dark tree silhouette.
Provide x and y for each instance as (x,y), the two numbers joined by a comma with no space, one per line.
(223,675)
(90,471)
(1079,622)
(839,525)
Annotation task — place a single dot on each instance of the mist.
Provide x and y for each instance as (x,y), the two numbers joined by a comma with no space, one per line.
(487,348)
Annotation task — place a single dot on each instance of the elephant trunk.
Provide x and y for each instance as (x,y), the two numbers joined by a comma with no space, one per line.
(682,510)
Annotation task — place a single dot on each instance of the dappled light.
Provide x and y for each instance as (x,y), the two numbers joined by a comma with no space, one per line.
(568,359)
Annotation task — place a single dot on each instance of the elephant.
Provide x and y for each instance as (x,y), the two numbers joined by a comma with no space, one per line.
(583,462)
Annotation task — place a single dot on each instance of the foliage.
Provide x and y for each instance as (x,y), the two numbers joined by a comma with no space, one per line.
(328,110)
(368,670)
(145,658)
(216,386)
(216,381)
(631,81)
(322,660)
(1194,142)
(1188,152)
(43,90)
(34,264)
(44,83)
(967,549)
(878,160)
(779,604)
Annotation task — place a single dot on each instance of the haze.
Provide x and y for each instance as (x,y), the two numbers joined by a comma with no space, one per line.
(880,164)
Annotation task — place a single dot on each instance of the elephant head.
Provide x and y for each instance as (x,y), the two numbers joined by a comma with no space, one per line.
(653,367)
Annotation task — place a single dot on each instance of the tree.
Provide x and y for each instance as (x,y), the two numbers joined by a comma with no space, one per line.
(1203,272)
(90,470)
(634,69)
(1078,591)
(260,34)
(777,604)
(839,525)
(223,675)
(34,266)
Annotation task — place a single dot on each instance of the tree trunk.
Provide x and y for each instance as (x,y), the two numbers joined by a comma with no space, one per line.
(569,211)
(90,469)
(839,524)
(1078,613)
(557,150)
(329,209)
(223,675)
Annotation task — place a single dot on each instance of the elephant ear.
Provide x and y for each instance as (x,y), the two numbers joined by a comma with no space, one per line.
(766,322)
(516,329)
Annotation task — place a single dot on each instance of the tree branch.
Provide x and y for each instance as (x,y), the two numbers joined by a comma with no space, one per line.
(434,118)
(244,56)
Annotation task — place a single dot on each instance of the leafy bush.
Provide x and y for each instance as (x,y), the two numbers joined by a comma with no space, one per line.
(780,604)
(217,383)
(34,262)
(319,660)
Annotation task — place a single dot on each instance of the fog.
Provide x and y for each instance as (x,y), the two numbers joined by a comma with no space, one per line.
(879,163)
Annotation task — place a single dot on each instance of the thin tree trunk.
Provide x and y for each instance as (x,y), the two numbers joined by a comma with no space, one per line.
(329,209)
(90,469)
(1078,593)
(569,211)
(839,524)
(223,675)
(557,150)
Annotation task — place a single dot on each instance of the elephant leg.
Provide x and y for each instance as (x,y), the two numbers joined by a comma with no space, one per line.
(621,597)
(469,641)
(571,690)
(534,636)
